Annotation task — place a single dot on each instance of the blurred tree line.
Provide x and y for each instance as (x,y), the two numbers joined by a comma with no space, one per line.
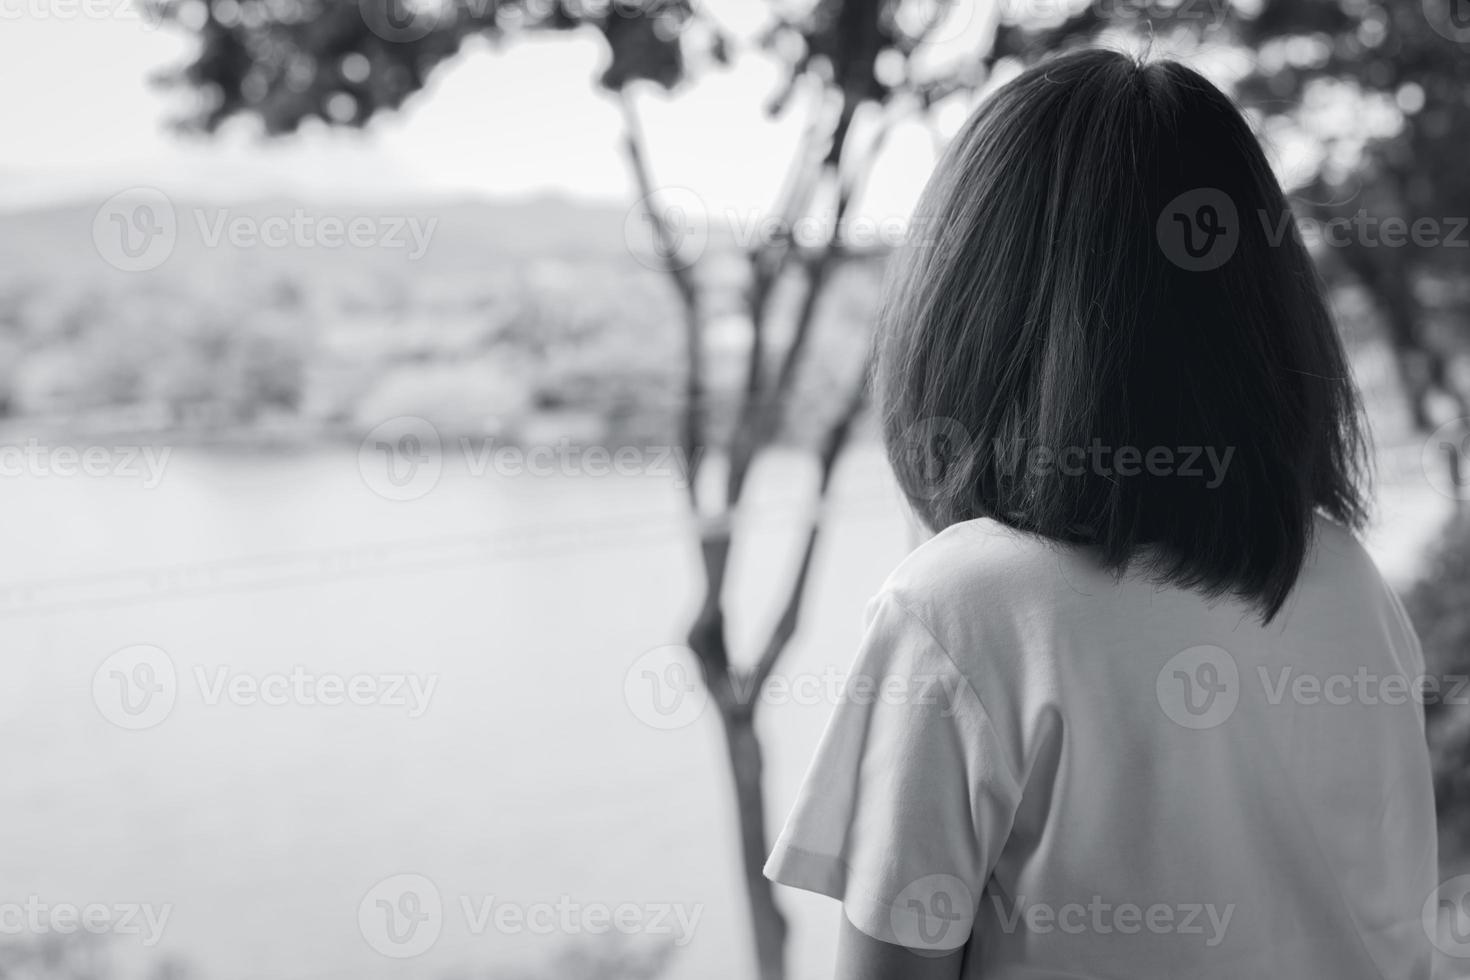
(1312,69)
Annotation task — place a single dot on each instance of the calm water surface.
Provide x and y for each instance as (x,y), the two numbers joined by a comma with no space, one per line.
(527,778)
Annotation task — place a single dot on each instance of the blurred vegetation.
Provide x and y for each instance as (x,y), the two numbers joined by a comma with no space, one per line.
(1382,90)
(1440,611)
(555,339)
(88,956)
(74,956)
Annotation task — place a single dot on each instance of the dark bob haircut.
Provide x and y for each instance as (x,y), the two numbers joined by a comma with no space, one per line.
(1106,331)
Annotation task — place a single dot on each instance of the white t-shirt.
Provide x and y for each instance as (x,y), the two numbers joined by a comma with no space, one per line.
(1077,776)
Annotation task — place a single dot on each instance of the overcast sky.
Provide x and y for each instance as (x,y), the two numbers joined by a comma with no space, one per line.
(81,121)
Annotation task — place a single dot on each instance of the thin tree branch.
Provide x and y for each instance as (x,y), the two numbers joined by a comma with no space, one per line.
(849,189)
(707,633)
(836,439)
(757,426)
(693,422)
(768,260)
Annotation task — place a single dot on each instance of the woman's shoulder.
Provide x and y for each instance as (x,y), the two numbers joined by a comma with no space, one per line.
(1336,549)
(983,558)
(988,594)
(984,562)
(982,583)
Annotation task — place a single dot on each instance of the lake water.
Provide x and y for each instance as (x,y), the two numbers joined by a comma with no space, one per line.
(527,780)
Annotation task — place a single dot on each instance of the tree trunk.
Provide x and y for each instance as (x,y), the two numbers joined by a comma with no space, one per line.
(768,925)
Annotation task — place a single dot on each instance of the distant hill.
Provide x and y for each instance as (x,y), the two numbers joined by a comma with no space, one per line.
(461,236)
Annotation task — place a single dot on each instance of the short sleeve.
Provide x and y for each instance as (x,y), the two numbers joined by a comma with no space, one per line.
(1408,636)
(1408,647)
(909,799)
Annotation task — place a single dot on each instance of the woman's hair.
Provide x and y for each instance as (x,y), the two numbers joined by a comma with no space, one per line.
(1107,332)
